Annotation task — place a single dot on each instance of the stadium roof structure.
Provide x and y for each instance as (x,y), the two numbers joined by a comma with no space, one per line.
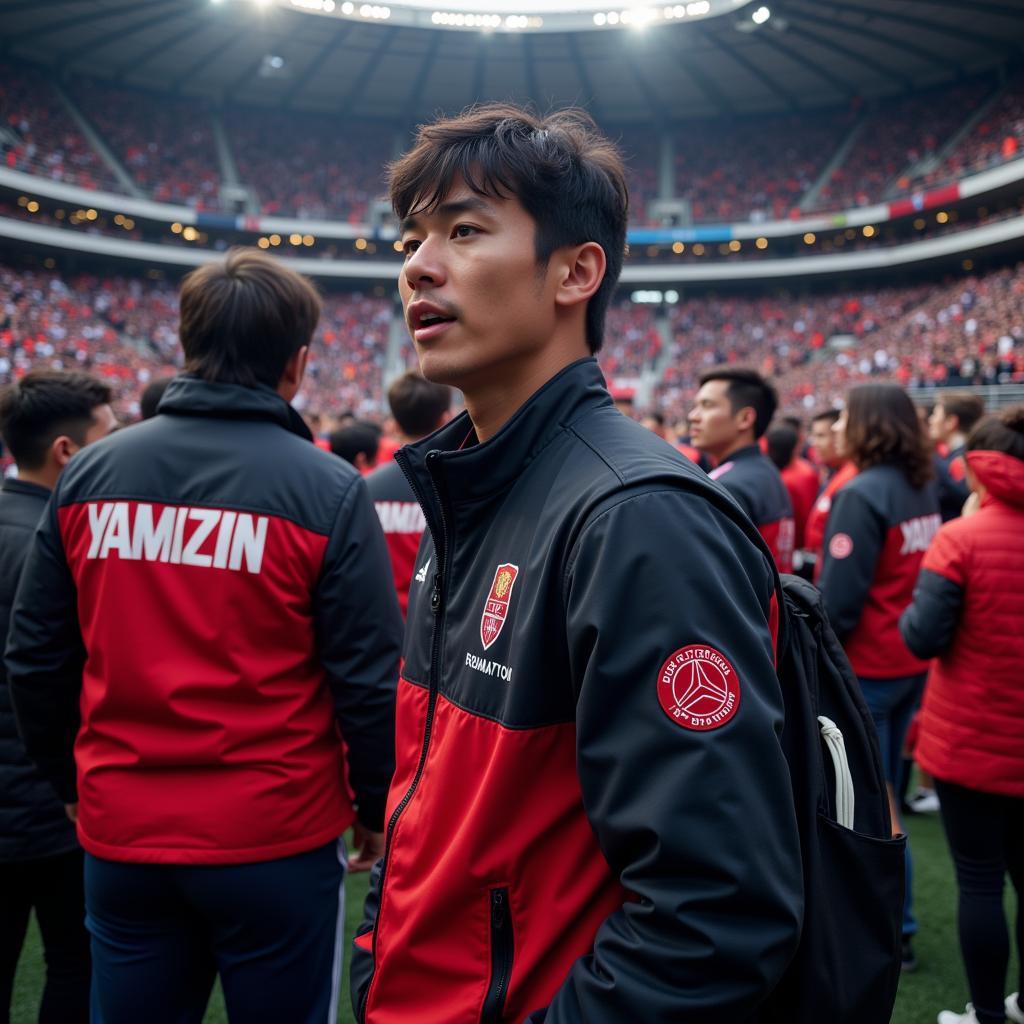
(718,58)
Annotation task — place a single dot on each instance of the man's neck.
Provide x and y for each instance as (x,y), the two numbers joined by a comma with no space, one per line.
(39,477)
(492,403)
(956,440)
(740,443)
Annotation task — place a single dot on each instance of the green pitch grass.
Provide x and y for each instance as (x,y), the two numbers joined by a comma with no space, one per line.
(937,984)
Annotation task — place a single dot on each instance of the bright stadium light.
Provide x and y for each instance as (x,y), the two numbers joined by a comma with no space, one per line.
(760,16)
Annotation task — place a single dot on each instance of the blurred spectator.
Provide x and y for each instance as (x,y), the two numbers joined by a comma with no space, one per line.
(798,475)
(879,527)
(952,419)
(418,407)
(966,613)
(357,443)
(730,414)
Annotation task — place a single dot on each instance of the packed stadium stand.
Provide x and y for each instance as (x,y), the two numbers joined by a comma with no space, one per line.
(755,168)
(309,165)
(996,138)
(165,145)
(319,166)
(969,331)
(39,136)
(896,138)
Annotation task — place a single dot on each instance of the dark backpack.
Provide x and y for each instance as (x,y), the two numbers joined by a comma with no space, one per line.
(847,965)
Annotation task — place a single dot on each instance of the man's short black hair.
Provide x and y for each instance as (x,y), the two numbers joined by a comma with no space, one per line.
(793,421)
(244,317)
(418,404)
(356,438)
(830,415)
(44,405)
(782,441)
(747,388)
(150,397)
(568,177)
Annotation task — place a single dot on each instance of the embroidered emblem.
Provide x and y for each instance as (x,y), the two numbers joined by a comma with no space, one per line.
(841,545)
(496,606)
(698,688)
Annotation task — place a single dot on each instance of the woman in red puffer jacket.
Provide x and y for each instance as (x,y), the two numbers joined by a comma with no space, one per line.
(968,611)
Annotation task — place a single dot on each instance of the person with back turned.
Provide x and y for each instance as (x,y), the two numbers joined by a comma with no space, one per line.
(202,657)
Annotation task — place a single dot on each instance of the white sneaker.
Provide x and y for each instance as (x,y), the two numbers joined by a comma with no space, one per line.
(952,1017)
(924,801)
(1013,1010)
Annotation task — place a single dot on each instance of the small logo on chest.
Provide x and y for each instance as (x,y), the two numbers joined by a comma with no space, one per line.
(492,621)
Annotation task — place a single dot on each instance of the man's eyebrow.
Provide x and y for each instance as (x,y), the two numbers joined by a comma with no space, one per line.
(471,204)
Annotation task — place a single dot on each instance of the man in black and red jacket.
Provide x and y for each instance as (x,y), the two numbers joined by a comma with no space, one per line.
(45,418)
(730,415)
(591,818)
(418,407)
(202,659)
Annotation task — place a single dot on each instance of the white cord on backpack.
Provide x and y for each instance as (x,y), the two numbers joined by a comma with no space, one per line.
(844,780)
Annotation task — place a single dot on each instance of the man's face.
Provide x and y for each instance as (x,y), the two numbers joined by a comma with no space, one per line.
(714,427)
(824,443)
(839,434)
(476,302)
(939,424)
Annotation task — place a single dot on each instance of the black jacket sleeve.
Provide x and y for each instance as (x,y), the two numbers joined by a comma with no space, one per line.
(850,563)
(359,635)
(698,825)
(45,656)
(928,626)
(361,965)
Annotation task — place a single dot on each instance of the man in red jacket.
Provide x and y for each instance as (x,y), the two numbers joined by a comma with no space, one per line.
(419,407)
(799,476)
(202,659)
(590,817)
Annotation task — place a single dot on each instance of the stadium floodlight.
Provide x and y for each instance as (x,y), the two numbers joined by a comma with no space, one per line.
(761,15)
(518,15)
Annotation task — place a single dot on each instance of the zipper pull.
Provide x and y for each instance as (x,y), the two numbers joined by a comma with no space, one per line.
(435,594)
(498,909)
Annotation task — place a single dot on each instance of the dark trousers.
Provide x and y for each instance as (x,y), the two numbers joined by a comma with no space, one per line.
(892,703)
(272,930)
(53,887)
(986,837)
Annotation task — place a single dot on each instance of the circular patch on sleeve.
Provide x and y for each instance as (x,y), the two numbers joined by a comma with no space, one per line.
(841,545)
(698,688)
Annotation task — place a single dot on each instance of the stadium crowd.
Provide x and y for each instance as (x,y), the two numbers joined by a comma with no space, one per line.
(38,136)
(204,614)
(310,165)
(968,331)
(895,138)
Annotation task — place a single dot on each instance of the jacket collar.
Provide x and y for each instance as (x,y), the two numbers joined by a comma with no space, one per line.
(188,395)
(12,485)
(748,451)
(470,471)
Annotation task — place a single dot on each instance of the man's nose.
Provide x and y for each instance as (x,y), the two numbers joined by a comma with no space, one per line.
(424,266)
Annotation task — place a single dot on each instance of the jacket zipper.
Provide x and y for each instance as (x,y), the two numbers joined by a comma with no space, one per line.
(436,605)
(502,949)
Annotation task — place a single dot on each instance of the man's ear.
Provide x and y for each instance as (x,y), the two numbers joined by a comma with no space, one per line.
(581,271)
(61,450)
(294,371)
(746,418)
